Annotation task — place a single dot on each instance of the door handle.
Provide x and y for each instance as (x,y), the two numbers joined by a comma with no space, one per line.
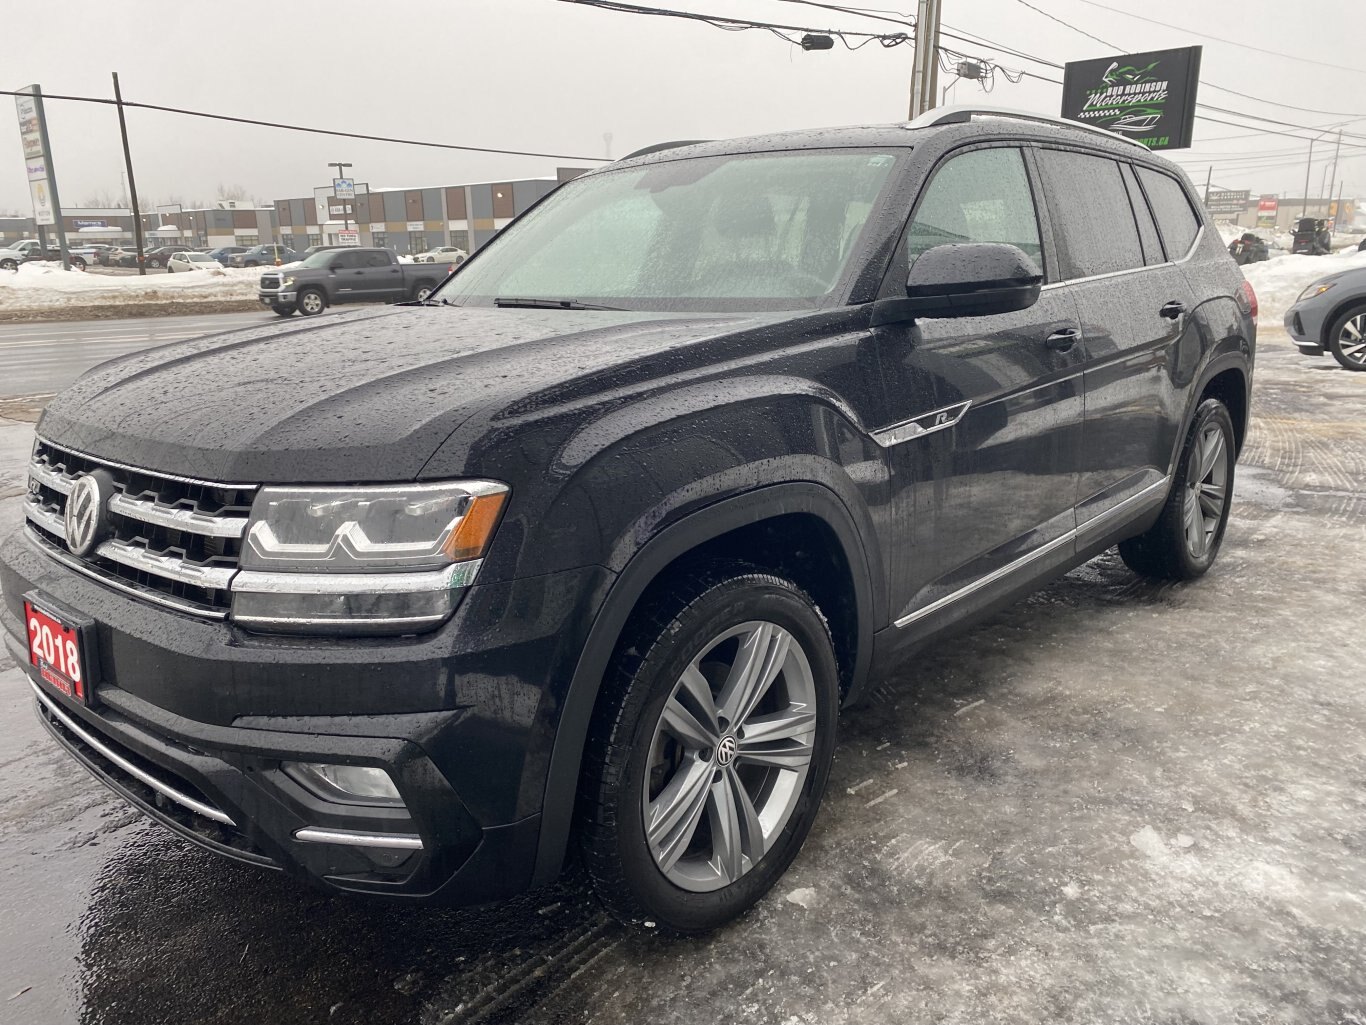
(1063,340)
(1173,309)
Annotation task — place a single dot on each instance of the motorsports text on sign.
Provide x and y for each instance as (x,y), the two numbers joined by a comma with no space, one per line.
(1228,201)
(1148,97)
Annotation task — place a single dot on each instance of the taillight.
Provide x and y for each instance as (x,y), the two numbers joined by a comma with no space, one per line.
(1247,299)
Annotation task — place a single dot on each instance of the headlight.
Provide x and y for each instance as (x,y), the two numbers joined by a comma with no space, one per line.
(1315,289)
(362,560)
(287,282)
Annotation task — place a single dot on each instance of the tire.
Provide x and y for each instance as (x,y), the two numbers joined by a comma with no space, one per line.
(311,302)
(1185,540)
(284,311)
(1347,338)
(77,263)
(635,760)
(154,263)
(9,264)
(422,289)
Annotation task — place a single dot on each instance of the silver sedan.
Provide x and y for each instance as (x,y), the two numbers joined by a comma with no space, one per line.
(1330,315)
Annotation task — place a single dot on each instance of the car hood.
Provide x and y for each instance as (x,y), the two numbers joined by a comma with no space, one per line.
(363,396)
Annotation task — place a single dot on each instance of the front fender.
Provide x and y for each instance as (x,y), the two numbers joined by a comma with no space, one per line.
(680,536)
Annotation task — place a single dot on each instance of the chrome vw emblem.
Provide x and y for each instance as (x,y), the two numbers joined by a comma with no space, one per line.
(725,750)
(85,519)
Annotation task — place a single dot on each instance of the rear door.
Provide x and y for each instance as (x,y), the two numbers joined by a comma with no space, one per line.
(986,412)
(1139,344)
(383,276)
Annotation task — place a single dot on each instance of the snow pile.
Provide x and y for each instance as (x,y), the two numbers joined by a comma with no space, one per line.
(1279,282)
(39,286)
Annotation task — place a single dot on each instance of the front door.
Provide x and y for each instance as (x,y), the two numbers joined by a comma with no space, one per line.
(985,435)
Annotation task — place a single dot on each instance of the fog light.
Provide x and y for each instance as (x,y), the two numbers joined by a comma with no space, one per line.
(349,784)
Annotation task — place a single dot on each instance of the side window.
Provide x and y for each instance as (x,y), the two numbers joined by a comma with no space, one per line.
(1092,219)
(1147,227)
(1175,217)
(347,261)
(981,196)
(377,260)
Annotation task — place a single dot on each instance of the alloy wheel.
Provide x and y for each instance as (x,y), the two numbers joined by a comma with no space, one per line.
(423,292)
(729,756)
(311,302)
(1207,490)
(1352,339)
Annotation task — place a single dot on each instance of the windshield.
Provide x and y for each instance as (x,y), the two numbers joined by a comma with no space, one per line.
(317,260)
(738,232)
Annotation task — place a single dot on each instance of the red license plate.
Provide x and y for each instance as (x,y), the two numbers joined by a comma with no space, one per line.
(56,649)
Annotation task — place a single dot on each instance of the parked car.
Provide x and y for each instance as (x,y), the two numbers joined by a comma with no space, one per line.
(224,254)
(30,250)
(161,255)
(320,249)
(346,275)
(189,261)
(1312,237)
(90,252)
(1330,315)
(1249,248)
(588,549)
(442,254)
(264,256)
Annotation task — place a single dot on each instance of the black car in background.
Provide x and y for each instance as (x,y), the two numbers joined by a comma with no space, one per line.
(581,555)
(1312,237)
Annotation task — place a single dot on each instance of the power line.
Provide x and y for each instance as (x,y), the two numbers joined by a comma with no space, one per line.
(887,39)
(1221,39)
(314,131)
(1064,24)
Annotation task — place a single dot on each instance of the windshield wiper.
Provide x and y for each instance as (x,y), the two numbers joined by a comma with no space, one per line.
(548,304)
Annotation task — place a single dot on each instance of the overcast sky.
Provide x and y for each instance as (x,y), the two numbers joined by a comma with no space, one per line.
(548,76)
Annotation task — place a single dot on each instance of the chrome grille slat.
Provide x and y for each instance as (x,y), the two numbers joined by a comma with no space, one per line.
(214,578)
(188,520)
(50,521)
(175,540)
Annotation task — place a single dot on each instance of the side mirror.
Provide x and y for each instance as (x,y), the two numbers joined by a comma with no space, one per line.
(969,279)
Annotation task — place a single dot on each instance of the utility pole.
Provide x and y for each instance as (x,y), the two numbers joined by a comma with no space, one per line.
(346,216)
(1304,208)
(1209,176)
(132,185)
(1337,149)
(925,71)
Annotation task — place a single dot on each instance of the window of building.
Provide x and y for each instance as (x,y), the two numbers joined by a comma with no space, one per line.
(417,242)
(981,196)
(1092,219)
(315,240)
(248,240)
(379,238)
(1172,208)
(461,240)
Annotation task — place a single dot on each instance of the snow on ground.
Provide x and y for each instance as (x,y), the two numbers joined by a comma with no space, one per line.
(1279,282)
(45,286)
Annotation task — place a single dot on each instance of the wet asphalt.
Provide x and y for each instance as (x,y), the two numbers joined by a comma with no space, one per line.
(1115,801)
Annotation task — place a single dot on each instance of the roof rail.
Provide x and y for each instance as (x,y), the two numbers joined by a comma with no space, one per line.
(961,113)
(660,146)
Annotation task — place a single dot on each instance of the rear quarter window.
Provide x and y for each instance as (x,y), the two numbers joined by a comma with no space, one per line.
(1175,218)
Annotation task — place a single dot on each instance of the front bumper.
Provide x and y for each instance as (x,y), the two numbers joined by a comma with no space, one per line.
(1305,328)
(277,298)
(193,720)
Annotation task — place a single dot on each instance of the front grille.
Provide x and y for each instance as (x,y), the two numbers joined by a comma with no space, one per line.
(271,281)
(172,540)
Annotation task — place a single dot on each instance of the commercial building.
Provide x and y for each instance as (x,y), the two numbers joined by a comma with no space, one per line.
(229,222)
(414,219)
(81,224)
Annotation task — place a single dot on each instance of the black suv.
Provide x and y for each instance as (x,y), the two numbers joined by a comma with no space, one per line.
(588,549)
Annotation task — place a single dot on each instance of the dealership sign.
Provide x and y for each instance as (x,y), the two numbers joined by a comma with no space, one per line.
(1148,97)
(1227,201)
(1267,207)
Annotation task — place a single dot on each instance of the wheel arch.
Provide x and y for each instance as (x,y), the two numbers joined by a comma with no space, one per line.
(729,528)
(1326,331)
(1229,384)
